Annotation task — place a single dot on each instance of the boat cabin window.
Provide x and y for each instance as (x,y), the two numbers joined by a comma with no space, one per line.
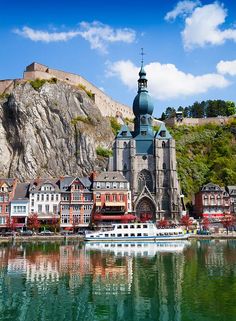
(139,234)
(119,226)
(145,234)
(125,226)
(138,226)
(132,234)
(144,226)
(106,235)
(119,235)
(126,234)
(113,235)
(131,226)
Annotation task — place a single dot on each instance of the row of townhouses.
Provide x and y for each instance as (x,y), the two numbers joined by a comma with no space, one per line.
(76,202)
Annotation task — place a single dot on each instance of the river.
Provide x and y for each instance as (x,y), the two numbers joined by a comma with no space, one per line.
(47,281)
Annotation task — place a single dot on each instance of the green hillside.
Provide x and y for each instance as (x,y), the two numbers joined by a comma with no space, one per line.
(205,154)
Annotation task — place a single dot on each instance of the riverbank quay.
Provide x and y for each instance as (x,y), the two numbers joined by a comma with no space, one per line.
(217,236)
(39,238)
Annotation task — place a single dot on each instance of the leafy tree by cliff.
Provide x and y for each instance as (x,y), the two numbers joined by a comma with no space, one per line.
(205,154)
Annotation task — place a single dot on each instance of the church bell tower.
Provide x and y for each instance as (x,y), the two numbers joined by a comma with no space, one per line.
(147,159)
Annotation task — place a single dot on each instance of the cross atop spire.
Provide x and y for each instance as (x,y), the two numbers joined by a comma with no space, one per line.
(142,54)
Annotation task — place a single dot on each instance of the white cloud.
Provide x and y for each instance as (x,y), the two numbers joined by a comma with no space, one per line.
(165,80)
(99,35)
(227,67)
(45,36)
(202,27)
(96,33)
(183,8)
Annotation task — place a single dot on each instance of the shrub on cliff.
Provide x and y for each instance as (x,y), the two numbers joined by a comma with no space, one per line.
(103,152)
(115,126)
(83,119)
(38,83)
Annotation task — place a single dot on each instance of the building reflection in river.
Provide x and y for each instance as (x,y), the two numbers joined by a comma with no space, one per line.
(141,273)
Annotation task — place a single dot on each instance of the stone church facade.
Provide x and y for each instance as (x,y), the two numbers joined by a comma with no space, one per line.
(148,161)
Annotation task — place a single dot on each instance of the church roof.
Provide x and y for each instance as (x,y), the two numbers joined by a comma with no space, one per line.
(163,132)
(143,104)
(124,132)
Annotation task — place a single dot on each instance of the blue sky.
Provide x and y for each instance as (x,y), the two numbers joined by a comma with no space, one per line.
(190,46)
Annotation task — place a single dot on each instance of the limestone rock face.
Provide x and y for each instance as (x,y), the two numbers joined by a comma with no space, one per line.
(51,131)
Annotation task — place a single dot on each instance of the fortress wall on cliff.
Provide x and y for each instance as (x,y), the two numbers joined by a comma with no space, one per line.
(106,104)
(220,120)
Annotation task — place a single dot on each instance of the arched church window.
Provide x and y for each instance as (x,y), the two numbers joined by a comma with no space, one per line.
(164,166)
(165,202)
(145,178)
(125,144)
(125,169)
(163,144)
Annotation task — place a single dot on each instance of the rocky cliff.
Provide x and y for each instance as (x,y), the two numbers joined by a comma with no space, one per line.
(51,129)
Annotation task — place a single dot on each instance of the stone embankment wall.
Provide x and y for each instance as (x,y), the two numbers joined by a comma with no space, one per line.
(106,104)
(198,121)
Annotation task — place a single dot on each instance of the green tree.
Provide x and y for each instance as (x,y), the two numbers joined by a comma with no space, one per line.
(230,108)
(170,112)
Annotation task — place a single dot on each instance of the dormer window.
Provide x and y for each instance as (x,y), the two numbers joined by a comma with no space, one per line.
(143,133)
(163,133)
(124,133)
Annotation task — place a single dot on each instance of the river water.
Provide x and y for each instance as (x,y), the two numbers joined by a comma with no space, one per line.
(129,282)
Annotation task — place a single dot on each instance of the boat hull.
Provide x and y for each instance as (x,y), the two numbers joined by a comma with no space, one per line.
(163,238)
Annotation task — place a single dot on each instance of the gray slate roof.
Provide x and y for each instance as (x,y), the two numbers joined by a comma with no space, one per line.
(36,184)
(21,192)
(110,177)
(66,182)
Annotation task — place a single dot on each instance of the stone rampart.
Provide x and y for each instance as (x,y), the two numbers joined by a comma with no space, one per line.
(106,104)
(220,120)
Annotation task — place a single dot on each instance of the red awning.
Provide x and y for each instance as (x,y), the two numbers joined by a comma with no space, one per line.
(127,217)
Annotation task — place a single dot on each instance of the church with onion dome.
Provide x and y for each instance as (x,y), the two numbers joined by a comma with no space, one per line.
(147,159)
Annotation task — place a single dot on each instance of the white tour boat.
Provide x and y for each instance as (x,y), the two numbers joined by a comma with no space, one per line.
(138,232)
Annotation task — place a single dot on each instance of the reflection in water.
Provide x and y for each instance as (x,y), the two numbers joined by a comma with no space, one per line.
(168,281)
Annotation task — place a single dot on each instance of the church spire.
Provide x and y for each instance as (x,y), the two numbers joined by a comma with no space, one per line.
(142,103)
(142,81)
